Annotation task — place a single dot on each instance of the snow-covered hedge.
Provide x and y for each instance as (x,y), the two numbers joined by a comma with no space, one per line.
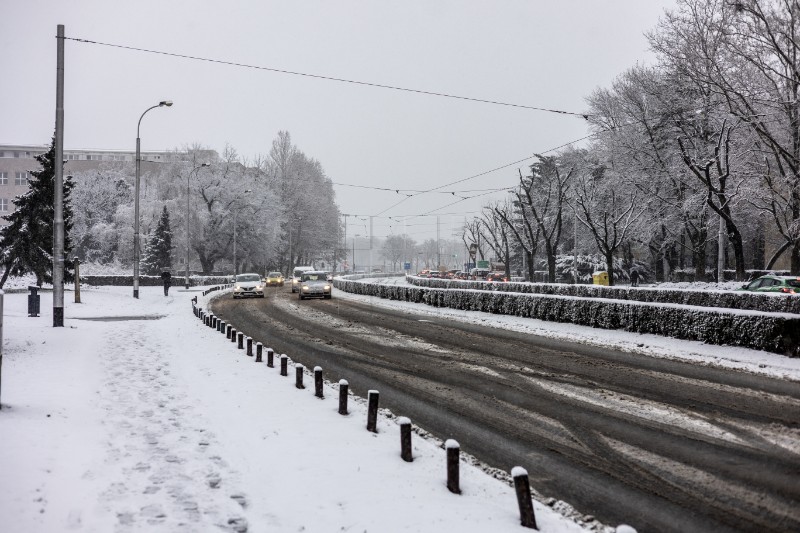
(154,280)
(766,302)
(774,332)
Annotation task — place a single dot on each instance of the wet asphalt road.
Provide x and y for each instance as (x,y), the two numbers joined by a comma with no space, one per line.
(658,444)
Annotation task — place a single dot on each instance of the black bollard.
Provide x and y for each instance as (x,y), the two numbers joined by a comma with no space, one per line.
(259,351)
(372,411)
(250,346)
(405,439)
(270,354)
(343,387)
(318,381)
(284,365)
(228,330)
(298,376)
(240,340)
(215,325)
(523,489)
(453,451)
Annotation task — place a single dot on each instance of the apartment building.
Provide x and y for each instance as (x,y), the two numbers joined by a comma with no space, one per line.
(17,161)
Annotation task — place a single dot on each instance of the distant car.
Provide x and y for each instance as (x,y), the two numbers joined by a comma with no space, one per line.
(274,279)
(769,283)
(314,284)
(329,275)
(297,273)
(248,285)
(496,276)
(478,274)
(435,274)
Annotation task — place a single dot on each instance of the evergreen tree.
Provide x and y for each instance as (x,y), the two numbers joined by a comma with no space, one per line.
(158,251)
(26,243)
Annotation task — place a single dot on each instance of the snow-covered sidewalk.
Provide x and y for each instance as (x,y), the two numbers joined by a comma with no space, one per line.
(153,422)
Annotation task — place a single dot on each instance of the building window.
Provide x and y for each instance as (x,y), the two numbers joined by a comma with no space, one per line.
(3,204)
(21,178)
(3,178)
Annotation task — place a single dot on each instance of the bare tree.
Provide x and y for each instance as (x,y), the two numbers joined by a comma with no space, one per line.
(606,211)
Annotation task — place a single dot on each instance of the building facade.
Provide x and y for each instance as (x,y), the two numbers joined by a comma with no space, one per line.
(17,161)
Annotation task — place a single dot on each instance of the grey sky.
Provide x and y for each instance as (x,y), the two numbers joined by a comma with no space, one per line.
(549,54)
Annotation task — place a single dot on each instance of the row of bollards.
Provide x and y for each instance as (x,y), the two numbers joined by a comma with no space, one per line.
(452,448)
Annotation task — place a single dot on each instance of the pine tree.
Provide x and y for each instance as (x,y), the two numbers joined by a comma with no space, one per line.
(26,243)
(158,251)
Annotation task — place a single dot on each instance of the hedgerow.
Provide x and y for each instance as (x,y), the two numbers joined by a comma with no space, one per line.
(777,332)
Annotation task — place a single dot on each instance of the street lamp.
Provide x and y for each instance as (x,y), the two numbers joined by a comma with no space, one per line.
(354,251)
(235,212)
(167,103)
(195,170)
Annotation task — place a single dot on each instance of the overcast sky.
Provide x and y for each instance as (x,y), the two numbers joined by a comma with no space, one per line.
(539,53)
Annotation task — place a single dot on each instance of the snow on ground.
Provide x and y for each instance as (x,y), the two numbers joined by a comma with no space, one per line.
(745,359)
(135,417)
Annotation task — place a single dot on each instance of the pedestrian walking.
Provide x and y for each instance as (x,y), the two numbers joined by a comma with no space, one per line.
(166,277)
(634,278)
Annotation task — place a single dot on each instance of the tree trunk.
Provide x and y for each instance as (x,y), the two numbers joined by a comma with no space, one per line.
(610,268)
(551,267)
(530,265)
(735,238)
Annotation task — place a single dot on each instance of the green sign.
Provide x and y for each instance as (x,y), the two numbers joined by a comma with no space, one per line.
(483,264)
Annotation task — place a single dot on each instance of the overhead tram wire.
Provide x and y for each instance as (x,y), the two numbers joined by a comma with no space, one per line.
(487,172)
(585,116)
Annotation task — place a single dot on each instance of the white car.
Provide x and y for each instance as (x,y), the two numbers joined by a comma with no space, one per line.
(248,285)
(297,273)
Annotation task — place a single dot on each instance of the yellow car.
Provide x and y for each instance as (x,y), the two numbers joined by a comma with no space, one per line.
(274,279)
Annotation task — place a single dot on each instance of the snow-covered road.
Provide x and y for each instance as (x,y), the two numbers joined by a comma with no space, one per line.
(163,425)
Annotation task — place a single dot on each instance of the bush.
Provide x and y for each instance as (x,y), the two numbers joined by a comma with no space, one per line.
(765,302)
(774,332)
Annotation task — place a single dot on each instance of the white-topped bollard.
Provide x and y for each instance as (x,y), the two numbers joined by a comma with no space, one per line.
(453,452)
(405,439)
(523,489)
(343,388)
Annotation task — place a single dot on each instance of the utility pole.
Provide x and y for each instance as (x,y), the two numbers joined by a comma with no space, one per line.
(438,246)
(58,195)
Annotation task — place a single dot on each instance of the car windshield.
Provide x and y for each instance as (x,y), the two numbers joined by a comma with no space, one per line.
(248,277)
(315,276)
(274,275)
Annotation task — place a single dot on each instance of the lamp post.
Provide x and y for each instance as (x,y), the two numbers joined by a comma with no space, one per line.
(235,212)
(195,170)
(354,251)
(167,103)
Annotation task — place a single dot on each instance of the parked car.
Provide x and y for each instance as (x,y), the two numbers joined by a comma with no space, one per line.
(248,285)
(314,284)
(297,273)
(274,279)
(496,276)
(769,283)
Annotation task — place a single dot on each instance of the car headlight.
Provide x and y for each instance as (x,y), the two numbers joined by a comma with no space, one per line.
(237,287)
(327,287)
(259,287)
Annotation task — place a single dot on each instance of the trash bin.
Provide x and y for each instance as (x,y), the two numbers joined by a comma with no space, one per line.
(600,278)
(33,301)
